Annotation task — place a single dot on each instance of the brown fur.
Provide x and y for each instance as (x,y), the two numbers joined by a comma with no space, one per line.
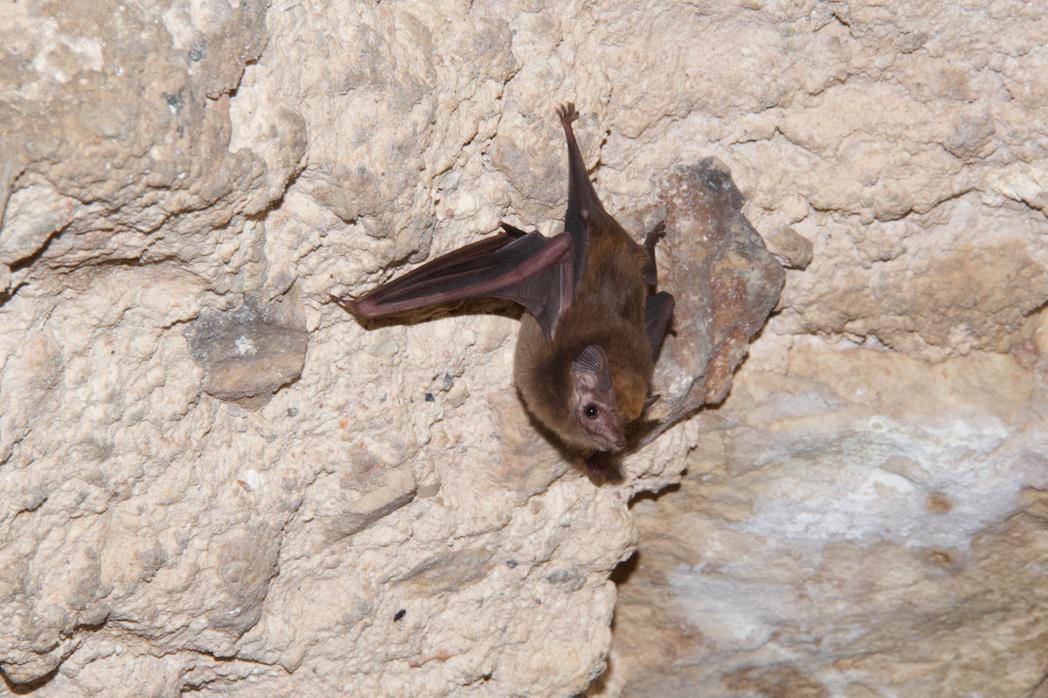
(608,312)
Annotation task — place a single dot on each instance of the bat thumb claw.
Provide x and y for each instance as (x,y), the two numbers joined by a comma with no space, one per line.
(349,305)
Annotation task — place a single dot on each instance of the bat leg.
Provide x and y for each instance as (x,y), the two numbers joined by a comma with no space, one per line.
(567,114)
(654,235)
(650,241)
(658,311)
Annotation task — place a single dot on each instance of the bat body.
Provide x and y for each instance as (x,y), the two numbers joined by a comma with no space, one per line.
(595,323)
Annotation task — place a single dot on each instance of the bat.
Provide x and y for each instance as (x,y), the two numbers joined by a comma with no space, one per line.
(595,320)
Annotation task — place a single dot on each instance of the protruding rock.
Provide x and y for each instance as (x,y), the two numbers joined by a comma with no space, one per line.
(725,281)
(793,250)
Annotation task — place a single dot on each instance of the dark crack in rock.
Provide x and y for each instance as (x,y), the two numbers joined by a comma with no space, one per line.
(726,284)
(252,351)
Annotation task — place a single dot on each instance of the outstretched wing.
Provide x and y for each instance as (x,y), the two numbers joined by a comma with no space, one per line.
(530,269)
(526,268)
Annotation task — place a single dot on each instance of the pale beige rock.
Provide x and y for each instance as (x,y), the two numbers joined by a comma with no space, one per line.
(853,520)
(163,161)
(250,352)
(793,250)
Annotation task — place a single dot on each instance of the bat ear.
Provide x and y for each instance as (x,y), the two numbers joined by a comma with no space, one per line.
(590,371)
(651,400)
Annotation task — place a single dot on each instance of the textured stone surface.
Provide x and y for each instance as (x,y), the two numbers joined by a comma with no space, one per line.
(388,523)
(864,515)
(853,523)
(252,351)
(725,283)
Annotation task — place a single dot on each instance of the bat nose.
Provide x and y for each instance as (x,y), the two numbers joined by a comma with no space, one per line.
(616,439)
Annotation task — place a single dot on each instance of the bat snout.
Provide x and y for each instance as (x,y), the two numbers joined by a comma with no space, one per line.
(609,435)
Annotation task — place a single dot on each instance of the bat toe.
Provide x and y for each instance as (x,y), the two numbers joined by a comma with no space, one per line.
(655,234)
(567,113)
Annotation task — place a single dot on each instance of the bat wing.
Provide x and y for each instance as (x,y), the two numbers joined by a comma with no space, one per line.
(658,311)
(529,269)
(585,211)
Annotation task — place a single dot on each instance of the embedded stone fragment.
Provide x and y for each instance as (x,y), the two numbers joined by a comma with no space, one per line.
(354,501)
(252,351)
(246,561)
(725,282)
(793,250)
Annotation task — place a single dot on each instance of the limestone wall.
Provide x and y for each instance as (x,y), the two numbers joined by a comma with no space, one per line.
(213,479)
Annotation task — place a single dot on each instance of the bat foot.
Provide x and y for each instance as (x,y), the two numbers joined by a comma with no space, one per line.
(567,113)
(654,235)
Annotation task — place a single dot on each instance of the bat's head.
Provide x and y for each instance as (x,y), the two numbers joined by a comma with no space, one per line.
(597,416)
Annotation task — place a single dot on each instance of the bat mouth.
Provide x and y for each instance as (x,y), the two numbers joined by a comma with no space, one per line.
(612,443)
(606,432)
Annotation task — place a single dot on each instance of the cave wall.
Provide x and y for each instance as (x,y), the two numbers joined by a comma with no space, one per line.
(215,480)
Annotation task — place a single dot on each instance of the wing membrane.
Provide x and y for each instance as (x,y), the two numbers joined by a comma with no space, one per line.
(526,268)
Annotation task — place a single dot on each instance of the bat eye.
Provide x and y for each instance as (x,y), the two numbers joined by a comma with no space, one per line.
(591,411)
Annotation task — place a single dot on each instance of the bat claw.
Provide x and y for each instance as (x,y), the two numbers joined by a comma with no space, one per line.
(512,230)
(567,113)
(655,234)
(347,305)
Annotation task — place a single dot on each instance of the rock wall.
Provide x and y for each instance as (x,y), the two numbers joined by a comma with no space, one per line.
(214,480)
(866,514)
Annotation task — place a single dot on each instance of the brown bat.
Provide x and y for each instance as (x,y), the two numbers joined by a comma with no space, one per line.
(595,322)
